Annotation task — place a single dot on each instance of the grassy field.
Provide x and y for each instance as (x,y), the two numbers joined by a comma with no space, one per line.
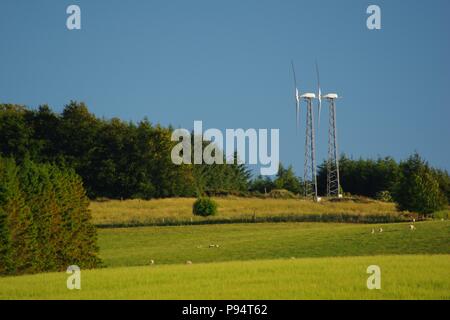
(257,261)
(171,245)
(402,277)
(179,210)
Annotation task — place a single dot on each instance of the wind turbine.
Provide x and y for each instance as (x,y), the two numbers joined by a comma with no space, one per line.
(309,170)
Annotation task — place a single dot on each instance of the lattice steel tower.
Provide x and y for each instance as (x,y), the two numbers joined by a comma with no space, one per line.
(309,170)
(333,182)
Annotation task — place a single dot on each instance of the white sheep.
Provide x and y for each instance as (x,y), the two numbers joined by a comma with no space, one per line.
(380,230)
(373,231)
(412,227)
(152,261)
(189,262)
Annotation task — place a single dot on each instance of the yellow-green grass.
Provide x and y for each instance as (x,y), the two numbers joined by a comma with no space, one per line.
(179,210)
(256,241)
(402,277)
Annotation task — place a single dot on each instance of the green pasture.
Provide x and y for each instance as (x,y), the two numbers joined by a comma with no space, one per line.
(402,277)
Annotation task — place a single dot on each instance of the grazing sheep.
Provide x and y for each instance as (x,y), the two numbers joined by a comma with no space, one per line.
(217,246)
(380,230)
(373,231)
(212,245)
(152,261)
(412,227)
(189,262)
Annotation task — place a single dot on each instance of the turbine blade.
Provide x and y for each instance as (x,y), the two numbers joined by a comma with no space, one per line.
(297,98)
(293,72)
(319,95)
(320,109)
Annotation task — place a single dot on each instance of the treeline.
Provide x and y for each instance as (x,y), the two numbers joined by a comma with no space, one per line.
(382,178)
(366,177)
(116,159)
(45,224)
(285,179)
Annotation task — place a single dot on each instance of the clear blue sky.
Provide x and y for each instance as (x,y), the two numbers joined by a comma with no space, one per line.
(228,63)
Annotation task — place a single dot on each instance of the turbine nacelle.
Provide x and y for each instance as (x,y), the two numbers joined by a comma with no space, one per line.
(308,95)
(331,96)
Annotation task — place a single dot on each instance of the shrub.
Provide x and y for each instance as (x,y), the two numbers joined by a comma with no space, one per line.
(204,207)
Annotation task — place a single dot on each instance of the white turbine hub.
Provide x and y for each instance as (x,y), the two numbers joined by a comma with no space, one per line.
(331,96)
(308,96)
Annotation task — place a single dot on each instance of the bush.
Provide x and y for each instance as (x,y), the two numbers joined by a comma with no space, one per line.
(204,207)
